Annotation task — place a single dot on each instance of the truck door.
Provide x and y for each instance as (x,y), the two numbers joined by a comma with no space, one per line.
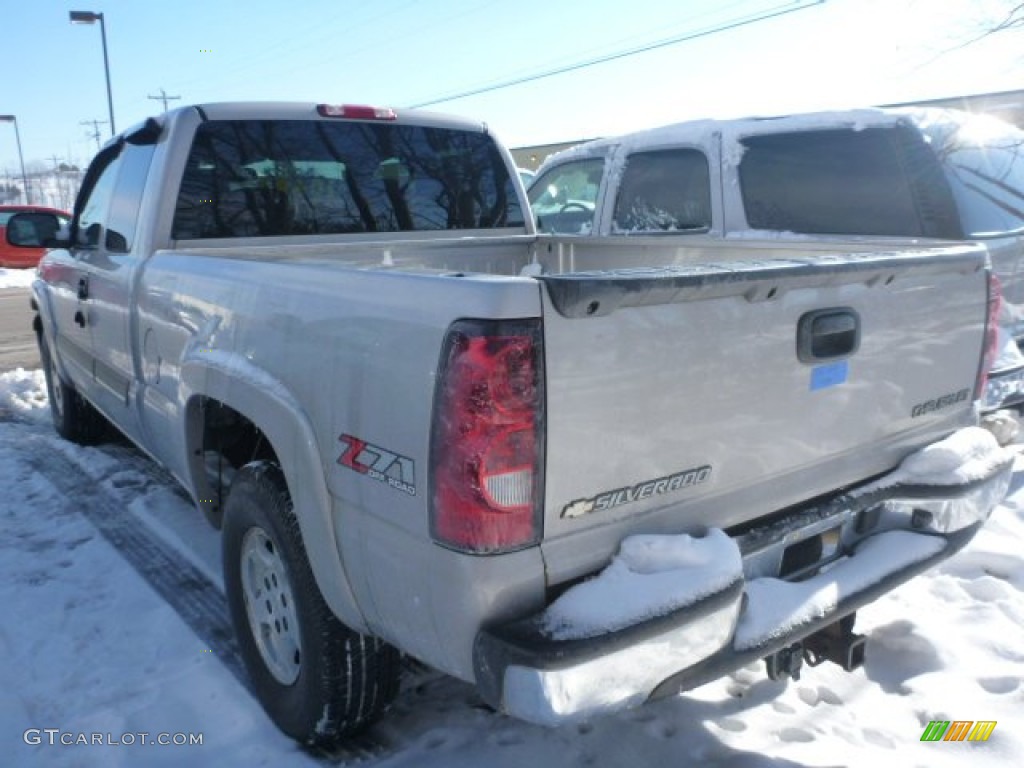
(72,344)
(103,246)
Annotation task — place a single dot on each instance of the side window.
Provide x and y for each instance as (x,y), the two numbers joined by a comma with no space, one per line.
(875,181)
(564,198)
(123,210)
(664,191)
(94,209)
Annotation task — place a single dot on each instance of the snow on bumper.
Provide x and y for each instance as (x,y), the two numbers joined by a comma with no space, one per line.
(614,641)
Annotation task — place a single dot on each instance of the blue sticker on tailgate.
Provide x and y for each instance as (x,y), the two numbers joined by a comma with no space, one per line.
(829,375)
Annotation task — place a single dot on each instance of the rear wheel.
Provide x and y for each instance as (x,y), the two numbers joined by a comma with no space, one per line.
(318,680)
(73,417)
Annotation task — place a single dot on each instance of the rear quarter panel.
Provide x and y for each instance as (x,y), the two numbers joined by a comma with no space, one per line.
(354,351)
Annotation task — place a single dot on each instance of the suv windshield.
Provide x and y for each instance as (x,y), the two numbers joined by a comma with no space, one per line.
(984,162)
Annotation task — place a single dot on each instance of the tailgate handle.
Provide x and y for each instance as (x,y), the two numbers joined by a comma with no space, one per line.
(827,334)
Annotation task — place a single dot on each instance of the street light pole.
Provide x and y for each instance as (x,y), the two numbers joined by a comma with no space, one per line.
(88,17)
(21,158)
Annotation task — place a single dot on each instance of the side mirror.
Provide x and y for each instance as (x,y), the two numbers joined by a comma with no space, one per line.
(35,230)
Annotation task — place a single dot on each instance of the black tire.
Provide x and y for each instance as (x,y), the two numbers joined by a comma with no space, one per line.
(73,417)
(318,680)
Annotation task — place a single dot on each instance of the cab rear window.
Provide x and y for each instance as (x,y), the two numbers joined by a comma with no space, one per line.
(251,178)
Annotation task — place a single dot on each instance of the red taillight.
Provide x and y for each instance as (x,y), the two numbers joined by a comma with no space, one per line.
(356,112)
(486,439)
(991,351)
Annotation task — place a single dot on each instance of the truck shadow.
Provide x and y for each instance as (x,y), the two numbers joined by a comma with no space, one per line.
(440,721)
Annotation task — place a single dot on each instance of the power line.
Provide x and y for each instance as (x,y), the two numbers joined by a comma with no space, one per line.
(163,97)
(771,14)
(241,69)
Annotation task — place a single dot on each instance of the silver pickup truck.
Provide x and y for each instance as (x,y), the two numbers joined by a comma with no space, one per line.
(889,175)
(577,472)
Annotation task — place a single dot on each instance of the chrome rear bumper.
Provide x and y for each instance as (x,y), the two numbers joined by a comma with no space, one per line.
(880,534)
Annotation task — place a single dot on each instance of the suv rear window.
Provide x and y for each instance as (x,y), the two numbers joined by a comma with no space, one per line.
(875,181)
(251,178)
(984,162)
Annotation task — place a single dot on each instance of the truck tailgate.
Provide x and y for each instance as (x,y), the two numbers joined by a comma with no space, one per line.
(687,396)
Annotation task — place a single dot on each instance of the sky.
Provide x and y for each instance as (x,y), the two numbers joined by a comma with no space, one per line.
(814,54)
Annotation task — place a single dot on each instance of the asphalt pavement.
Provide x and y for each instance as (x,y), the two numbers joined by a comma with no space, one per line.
(17,341)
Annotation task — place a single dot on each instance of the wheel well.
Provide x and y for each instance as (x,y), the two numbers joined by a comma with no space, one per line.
(222,442)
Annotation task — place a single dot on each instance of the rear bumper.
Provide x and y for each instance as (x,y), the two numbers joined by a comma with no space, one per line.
(883,533)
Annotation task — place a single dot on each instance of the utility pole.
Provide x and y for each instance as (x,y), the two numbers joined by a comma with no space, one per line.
(88,17)
(95,130)
(61,182)
(21,157)
(164,98)
(56,181)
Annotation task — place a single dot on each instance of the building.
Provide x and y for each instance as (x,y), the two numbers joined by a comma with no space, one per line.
(531,157)
(1006,105)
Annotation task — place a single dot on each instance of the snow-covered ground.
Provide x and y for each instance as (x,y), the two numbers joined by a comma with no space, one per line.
(114,625)
(16,278)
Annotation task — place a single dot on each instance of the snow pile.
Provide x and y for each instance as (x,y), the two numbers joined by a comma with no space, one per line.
(1002,424)
(24,393)
(16,278)
(776,607)
(650,576)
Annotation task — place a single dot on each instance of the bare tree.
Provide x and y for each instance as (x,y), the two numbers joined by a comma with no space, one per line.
(1014,19)
(1011,17)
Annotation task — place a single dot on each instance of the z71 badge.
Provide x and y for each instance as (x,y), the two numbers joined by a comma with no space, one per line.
(638,492)
(382,465)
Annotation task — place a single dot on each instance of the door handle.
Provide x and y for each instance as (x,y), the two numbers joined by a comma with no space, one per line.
(83,288)
(79,319)
(828,334)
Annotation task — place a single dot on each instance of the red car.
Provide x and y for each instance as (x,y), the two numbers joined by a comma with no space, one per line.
(23,257)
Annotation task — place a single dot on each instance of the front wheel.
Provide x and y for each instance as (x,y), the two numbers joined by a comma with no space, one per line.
(73,418)
(318,680)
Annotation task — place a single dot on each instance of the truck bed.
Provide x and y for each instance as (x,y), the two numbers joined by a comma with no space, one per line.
(676,398)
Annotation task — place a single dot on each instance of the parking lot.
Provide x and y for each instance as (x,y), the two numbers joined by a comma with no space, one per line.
(17,342)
